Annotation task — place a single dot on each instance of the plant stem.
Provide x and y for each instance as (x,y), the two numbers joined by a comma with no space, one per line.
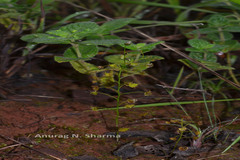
(178,104)
(124,57)
(171,103)
(230,71)
(75,46)
(118,97)
(79,55)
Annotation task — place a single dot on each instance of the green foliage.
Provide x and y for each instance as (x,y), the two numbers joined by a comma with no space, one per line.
(11,11)
(216,38)
(72,33)
(203,51)
(200,44)
(85,39)
(83,67)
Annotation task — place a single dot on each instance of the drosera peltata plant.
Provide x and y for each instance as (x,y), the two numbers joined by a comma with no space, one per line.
(85,39)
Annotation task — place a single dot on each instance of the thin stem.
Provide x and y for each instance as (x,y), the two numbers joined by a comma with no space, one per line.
(180,137)
(79,55)
(230,71)
(124,57)
(213,111)
(75,46)
(118,97)
(171,103)
(178,104)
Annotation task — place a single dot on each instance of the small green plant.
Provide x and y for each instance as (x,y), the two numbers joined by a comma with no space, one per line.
(122,66)
(85,39)
(213,39)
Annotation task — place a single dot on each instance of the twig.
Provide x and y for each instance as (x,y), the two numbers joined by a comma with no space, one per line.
(40,96)
(10,146)
(184,89)
(18,100)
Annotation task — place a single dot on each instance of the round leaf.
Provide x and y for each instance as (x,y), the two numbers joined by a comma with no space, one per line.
(217,20)
(87,51)
(200,44)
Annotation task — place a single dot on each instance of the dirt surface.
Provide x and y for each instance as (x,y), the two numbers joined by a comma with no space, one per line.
(51,113)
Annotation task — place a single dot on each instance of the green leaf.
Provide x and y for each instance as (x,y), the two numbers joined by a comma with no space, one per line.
(204,31)
(136,47)
(210,57)
(191,49)
(150,46)
(114,24)
(76,31)
(97,37)
(231,45)
(44,38)
(68,56)
(217,48)
(133,63)
(61,59)
(87,51)
(200,44)
(217,21)
(104,42)
(31,37)
(143,47)
(232,29)
(216,37)
(216,66)
(149,58)
(130,58)
(83,67)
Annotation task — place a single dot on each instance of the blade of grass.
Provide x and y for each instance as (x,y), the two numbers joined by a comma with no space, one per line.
(174,2)
(177,80)
(236,140)
(154,4)
(168,23)
(171,103)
